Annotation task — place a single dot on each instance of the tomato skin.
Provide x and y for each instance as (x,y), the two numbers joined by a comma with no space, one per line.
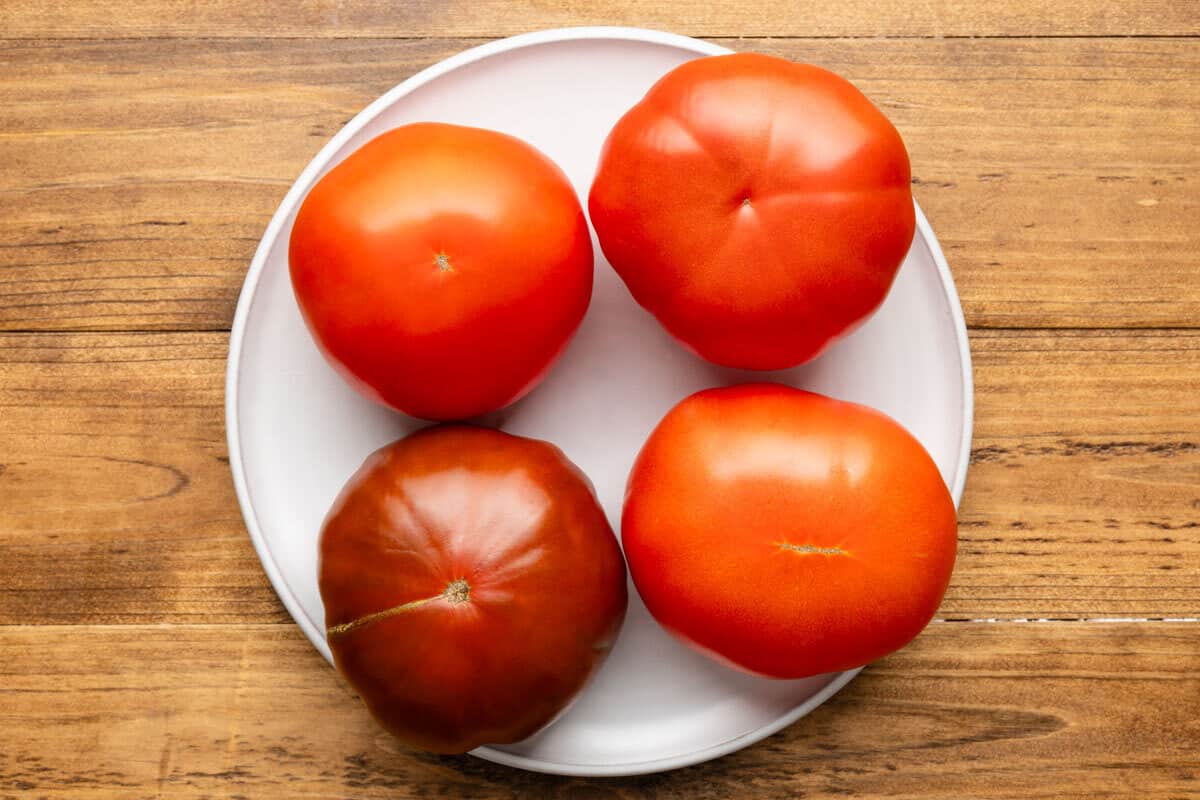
(758,208)
(786,533)
(442,269)
(545,586)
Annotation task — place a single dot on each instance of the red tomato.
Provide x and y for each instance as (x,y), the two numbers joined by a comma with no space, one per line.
(758,208)
(787,533)
(472,585)
(442,269)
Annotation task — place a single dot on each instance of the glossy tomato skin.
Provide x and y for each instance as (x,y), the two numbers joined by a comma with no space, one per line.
(442,269)
(472,585)
(786,533)
(757,207)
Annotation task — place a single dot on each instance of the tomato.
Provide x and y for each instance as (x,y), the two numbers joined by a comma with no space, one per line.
(758,208)
(442,269)
(471,583)
(786,533)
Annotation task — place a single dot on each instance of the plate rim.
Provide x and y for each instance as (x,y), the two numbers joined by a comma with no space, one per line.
(248,293)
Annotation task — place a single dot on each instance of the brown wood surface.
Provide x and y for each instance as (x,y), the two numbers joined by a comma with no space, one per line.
(488,18)
(144,144)
(139,175)
(1083,498)
(1040,710)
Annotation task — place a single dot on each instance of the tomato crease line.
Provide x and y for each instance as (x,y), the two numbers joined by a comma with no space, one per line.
(808,549)
(458,591)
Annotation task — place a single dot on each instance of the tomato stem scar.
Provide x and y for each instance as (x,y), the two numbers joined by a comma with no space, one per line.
(442,261)
(457,591)
(808,548)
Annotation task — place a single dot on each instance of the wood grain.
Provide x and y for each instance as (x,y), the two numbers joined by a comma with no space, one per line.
(1058,710)
(1083,498)
(429,18)
(136,177)
(144,144)
(116,502)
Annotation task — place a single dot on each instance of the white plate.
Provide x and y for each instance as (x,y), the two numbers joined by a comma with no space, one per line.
(296,432)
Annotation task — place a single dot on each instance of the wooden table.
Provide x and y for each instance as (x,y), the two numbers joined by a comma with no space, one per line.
(145,143)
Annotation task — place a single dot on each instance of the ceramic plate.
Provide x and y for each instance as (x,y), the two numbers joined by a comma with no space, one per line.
(297,432)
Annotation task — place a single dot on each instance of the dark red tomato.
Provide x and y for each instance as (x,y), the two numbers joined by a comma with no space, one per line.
(472,585)
(787,533)
(758,208)
(442,269)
